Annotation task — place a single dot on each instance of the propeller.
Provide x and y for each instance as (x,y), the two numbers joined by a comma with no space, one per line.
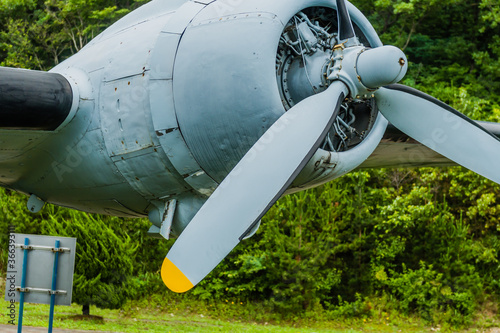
(269,167)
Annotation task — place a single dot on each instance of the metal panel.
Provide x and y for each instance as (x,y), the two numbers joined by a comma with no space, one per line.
(115,208)
(131,55)
(124,124)
(147,174)
(284,9)
(14,143)
(118,199)
(202,183)
(77,161)
(225,89)
(205,2)
(148,11)
(128,126)
(130,138)
(178,153)
(184,162)
(39,269)
(162,105)
(163,55)
(183,16)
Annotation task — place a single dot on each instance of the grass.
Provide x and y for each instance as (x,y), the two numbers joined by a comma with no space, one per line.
(163,313)
(158,320)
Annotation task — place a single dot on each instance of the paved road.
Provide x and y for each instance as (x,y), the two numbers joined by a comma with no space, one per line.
(28,329)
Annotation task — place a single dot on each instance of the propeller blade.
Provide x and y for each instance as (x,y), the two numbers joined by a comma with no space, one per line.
(441,128)
(250,189)
(346,30)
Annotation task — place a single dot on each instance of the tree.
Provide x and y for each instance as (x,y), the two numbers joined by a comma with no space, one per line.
(39,34)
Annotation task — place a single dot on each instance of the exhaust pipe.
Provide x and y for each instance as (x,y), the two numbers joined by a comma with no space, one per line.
(33,100)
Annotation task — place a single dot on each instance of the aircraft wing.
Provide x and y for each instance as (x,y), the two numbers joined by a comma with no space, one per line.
(398,150)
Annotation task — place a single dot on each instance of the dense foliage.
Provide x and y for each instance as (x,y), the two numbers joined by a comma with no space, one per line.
(38,34)
(104,256)
(417,241)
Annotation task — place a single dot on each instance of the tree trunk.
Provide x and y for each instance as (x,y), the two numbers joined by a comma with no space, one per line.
(86,310)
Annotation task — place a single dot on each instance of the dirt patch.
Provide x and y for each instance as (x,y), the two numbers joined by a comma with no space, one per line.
(92,318)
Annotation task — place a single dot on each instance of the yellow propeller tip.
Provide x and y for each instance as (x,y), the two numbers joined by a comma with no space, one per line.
(173,277)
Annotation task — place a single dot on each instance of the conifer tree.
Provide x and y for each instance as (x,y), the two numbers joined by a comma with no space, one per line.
(104,257)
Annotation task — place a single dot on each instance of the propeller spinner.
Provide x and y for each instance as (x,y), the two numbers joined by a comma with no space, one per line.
(336,68)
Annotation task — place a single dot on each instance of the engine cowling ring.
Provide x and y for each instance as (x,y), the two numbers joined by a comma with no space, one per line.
(225,88)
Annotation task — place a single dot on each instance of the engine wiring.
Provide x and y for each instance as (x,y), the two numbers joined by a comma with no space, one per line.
(302,53)
(306,36)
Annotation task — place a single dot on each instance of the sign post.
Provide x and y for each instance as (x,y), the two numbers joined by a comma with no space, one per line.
(54,282)
(23,285)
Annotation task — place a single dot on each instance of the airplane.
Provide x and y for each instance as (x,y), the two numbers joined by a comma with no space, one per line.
(201,114)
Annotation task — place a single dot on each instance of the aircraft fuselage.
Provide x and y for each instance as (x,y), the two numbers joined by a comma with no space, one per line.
(167,101)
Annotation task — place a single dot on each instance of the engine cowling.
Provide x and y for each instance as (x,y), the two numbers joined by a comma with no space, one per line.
(234,76)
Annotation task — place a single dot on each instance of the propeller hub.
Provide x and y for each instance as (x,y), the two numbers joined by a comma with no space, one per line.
(364,70)
(381,66)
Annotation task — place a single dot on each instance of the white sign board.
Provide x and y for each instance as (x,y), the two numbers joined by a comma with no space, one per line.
(39,269)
